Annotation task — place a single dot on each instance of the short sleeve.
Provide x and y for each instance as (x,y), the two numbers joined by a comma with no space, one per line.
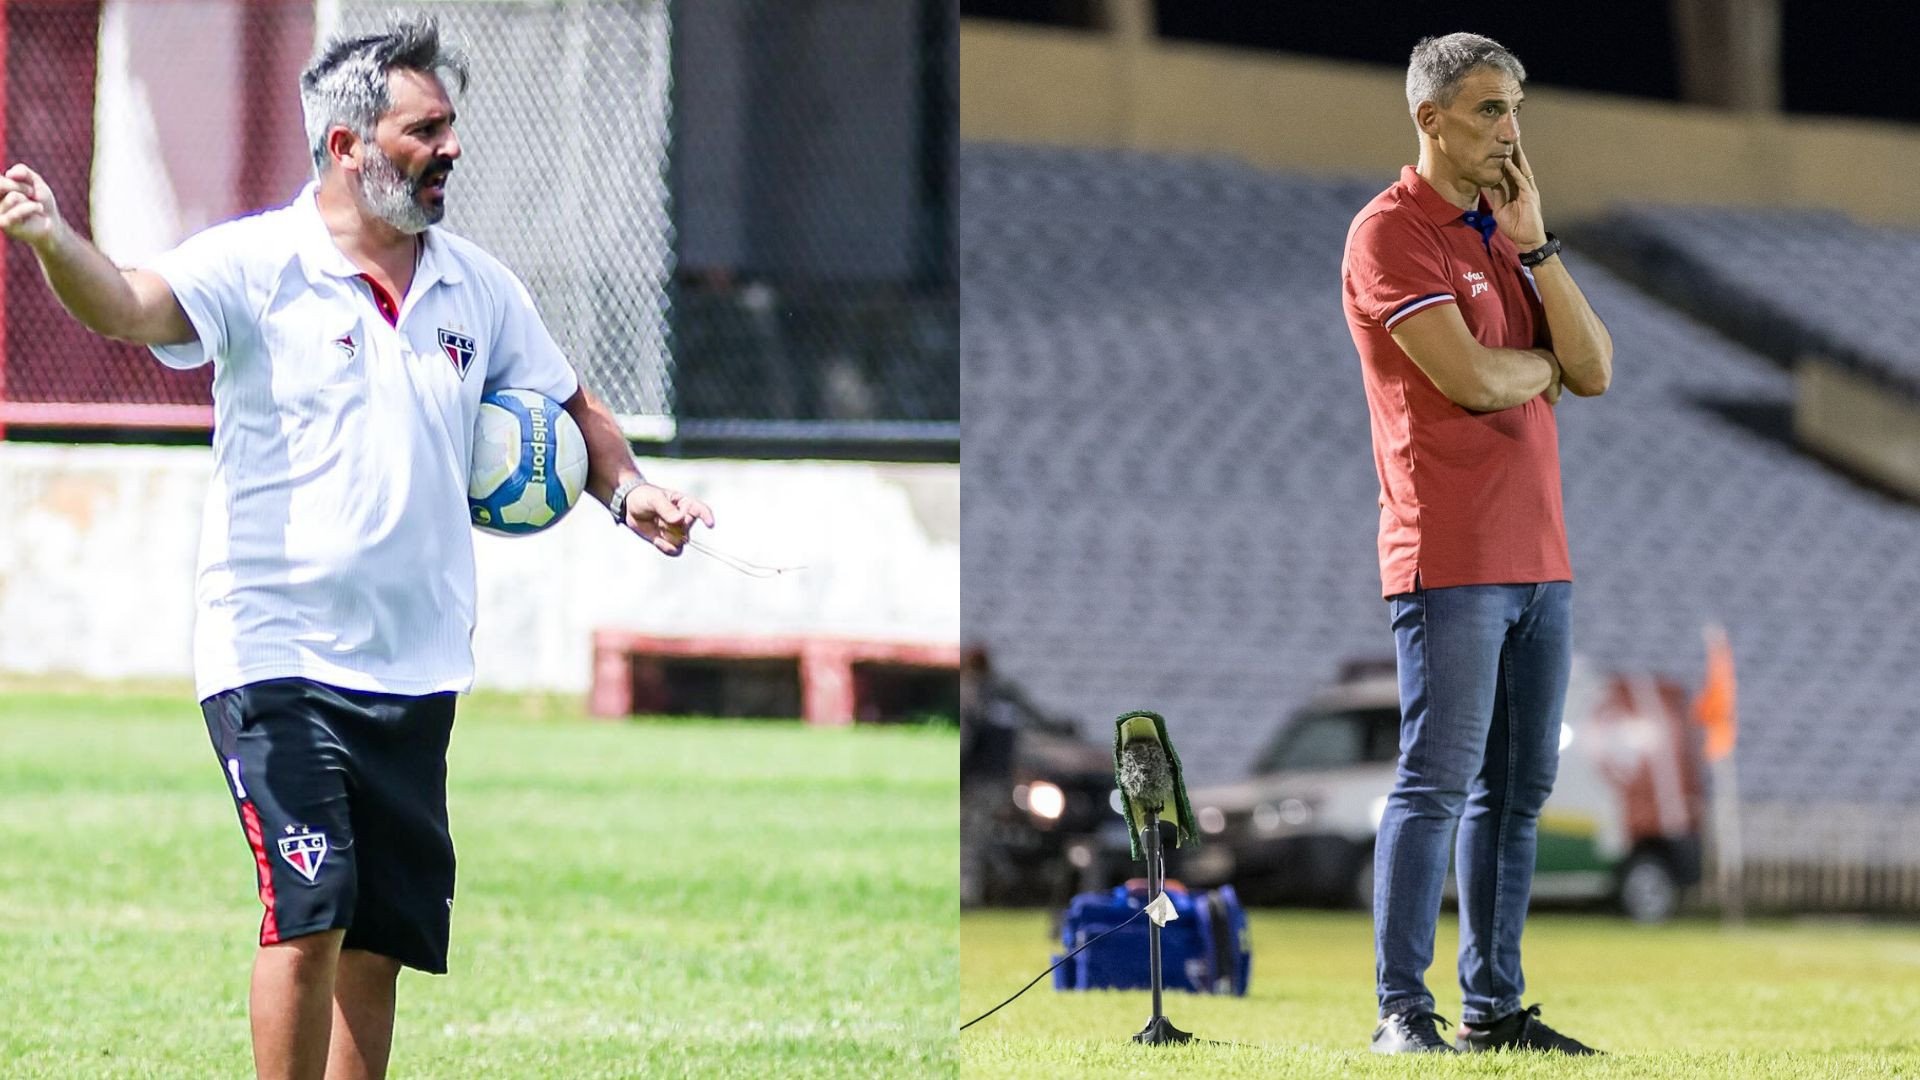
(206,275)
(1394,270)
(525,356)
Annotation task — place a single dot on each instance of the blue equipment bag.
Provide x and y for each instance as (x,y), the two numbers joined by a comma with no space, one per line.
(1204,951)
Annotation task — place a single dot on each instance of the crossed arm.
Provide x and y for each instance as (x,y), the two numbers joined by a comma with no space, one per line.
(1580,339)
(1474,376)
(1470,374)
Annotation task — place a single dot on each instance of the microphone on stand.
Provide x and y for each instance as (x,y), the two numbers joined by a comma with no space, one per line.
(1146,775)
(1147,771)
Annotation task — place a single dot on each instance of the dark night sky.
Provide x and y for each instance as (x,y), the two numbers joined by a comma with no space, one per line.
(1851,59)
(1845,57)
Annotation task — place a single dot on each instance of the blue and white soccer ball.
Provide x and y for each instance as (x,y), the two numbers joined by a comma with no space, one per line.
(529,463)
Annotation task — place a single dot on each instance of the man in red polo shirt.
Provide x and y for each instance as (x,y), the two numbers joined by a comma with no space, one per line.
(1469,328)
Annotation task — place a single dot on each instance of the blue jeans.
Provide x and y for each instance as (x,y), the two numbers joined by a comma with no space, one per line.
(1483,678)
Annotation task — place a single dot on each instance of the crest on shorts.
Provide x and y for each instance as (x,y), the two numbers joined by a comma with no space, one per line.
(304,850)
(459,349)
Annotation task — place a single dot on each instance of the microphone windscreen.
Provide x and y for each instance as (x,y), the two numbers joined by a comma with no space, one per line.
(1146,775)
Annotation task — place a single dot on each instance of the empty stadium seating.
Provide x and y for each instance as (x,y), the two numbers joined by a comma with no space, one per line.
(1786,283)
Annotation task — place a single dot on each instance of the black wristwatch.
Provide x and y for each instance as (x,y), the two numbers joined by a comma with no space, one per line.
(618,503)
(1548,250)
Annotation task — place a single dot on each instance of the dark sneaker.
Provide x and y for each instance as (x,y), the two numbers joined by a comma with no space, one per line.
(1411,1032)
(1519,1031)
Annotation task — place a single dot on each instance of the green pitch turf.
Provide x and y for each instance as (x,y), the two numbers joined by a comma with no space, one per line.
(635,899)
(1690,1000)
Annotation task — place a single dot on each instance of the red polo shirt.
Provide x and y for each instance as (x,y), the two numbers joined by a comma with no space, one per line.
(1466,498)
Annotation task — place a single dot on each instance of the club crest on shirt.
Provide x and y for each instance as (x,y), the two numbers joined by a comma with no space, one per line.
(304,850)
(346,345)
(459,349)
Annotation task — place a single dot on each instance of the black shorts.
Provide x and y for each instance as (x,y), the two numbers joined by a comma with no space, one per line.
(343,798)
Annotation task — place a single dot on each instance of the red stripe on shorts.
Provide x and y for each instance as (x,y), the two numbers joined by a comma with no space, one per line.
(269,929)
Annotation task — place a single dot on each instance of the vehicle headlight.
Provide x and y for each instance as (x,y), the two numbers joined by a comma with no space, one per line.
(1287,813)
(1266,817)
(1211,820)
(1045,800)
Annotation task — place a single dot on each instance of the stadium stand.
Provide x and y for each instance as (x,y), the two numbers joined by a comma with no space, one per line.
(1785,283)
(1170,498)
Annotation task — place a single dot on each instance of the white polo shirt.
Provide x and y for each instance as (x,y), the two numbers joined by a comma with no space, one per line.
(335,545)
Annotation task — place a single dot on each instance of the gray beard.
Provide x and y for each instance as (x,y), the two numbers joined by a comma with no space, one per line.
(394,198)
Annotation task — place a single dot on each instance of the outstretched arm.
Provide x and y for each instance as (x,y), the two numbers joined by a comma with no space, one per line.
(659,515)
(132,305)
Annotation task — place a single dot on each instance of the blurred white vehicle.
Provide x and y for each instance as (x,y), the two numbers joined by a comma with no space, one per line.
(1623,825)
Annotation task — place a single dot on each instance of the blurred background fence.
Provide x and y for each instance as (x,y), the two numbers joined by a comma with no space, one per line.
(736,215)
(813,285)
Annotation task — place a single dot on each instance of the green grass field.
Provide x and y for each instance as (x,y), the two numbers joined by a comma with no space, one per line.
(1689,1000)
(657,899)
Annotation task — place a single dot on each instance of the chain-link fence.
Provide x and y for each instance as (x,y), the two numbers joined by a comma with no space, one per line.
(813,180)
(792,158)
(563,130)
(131,111)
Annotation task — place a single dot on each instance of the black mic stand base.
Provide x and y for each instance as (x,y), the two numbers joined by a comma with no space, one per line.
(1160,1031)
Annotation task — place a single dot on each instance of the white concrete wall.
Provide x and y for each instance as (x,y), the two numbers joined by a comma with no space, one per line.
(97,560)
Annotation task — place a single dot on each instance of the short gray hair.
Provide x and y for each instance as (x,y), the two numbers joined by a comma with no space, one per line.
(1440,64)
(346,82)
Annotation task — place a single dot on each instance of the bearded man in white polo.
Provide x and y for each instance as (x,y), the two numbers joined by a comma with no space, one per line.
(336,581)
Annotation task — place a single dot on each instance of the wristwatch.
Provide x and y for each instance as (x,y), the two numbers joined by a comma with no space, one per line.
(1548,250)
(618,504)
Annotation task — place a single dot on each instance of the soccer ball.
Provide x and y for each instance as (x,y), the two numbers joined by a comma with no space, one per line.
(529,463)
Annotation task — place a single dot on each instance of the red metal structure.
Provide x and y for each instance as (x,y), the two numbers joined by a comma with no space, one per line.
(216,85)
(829,688)
(6,161)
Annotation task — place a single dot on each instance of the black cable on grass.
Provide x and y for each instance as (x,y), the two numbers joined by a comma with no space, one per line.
(1048,972)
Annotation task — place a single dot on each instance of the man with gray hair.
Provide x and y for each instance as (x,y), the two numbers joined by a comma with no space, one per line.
(351,344)
(1469,327)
